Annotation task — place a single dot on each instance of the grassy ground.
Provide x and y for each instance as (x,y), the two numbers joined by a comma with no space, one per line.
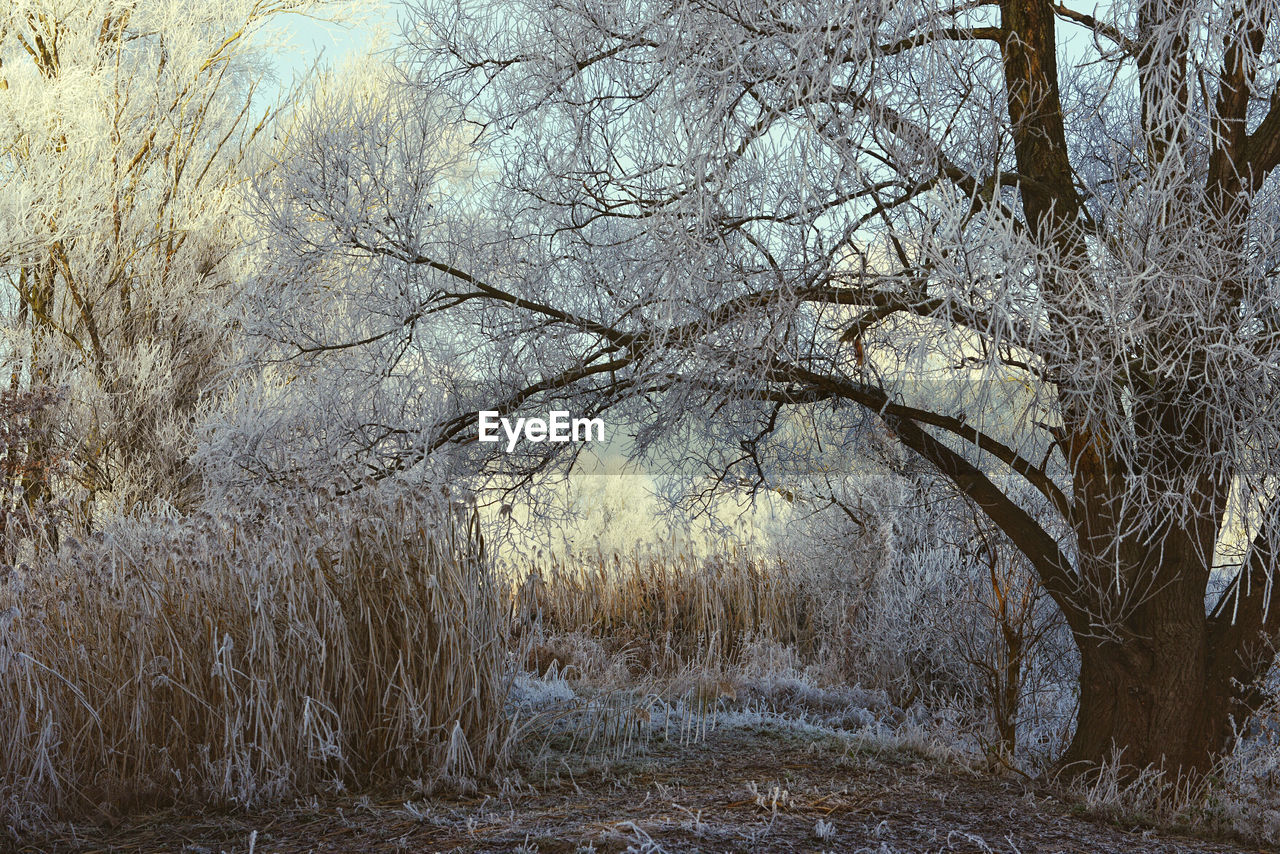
(760,787)
(674,705)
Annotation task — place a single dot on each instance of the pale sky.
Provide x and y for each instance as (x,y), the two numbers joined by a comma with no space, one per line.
(297,41)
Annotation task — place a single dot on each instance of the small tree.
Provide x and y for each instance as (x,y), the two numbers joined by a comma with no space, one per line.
(1034,260)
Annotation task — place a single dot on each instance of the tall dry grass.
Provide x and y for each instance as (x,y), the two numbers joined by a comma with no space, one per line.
(665,611)
(929,629)
(236,658)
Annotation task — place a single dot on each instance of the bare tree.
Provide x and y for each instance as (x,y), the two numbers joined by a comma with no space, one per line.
(348,361)
(123,133)
(1038,247)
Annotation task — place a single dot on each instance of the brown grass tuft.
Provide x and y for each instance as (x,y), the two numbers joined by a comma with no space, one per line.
(665,612)
(237,660)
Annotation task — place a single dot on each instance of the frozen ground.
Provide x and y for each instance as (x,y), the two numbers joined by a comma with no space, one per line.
(746,785)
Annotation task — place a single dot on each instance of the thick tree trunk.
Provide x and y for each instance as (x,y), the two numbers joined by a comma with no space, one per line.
(1154,698)
(1142,707)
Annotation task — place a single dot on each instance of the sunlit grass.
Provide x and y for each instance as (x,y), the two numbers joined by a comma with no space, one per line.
(242,658)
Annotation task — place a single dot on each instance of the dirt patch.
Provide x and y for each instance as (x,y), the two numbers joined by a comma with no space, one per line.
(757,789)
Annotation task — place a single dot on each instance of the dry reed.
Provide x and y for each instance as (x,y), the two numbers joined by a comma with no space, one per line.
(665,612)
(235,659)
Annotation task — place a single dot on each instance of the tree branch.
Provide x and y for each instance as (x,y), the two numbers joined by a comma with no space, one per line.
(947,34)
(1245,623)
(1105,30)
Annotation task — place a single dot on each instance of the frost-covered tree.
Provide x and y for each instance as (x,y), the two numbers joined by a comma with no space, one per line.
(1035,246)
(123,132)
(349,364)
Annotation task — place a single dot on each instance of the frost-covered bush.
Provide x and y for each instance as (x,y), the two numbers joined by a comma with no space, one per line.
(924,600)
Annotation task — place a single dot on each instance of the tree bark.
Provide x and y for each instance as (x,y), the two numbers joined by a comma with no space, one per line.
(1156,695)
